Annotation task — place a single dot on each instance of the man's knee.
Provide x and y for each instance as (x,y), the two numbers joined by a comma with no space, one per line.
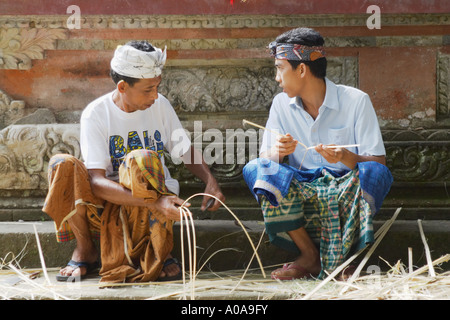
(62,163)
(59,159)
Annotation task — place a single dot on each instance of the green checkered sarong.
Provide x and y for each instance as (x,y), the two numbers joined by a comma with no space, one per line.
(332,211)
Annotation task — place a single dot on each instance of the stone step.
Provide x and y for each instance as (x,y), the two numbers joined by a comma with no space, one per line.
(225,246)
(245,213)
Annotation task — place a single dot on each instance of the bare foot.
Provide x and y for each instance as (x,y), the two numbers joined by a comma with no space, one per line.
(347,273)
(304,266)
(290,272)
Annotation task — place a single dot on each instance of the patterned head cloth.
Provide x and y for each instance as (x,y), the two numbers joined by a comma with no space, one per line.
(131,62)
(298,52)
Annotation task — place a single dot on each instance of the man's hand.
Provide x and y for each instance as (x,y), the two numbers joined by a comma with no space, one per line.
(285,145)
(169,206)
(212,188)
(332,155)
(345,156)
(201,170)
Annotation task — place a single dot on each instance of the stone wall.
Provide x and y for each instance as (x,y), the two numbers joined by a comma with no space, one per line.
(219,72)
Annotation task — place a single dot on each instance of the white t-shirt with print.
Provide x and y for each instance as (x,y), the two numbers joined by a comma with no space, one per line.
(108,134)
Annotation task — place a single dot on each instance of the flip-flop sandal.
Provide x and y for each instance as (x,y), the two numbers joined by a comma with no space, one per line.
(303,273)
(178,276)
(90,267)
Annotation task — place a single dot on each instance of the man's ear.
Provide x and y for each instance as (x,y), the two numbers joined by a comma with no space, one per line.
(121,86)
(301,69)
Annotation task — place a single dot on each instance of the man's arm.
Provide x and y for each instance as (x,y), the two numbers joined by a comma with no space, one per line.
(113,192)
(195,163)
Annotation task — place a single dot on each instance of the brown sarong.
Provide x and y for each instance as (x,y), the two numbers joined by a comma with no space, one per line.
(134,242)
(69,188)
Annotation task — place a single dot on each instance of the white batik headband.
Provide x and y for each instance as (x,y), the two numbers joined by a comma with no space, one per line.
(131,62)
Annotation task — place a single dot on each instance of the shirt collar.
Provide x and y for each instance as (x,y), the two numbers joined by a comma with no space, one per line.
(331,97)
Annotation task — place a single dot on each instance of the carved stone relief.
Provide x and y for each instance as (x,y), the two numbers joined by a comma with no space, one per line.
(219,89)
(443,87)
(220,21)
(18,46)
(249,43)
(26,149)
(231,88)
(420,155)
(10,110)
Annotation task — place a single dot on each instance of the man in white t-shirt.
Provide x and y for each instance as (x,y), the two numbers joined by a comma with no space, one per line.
(123,130)
(330,136)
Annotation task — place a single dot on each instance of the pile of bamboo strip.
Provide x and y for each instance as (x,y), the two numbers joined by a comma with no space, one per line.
(399,282)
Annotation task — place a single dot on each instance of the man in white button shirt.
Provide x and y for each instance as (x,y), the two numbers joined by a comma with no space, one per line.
(313,112)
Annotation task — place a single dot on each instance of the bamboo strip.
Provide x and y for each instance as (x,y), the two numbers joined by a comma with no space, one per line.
(400,284)
(303,145)
(211,245)
(274,132)
(393,285)
(427,249)
(192,256)
(371,250)
(385,226)
(38,244)
(210,257)
(419,271)
(182,217)
(341,146)
(240,224)
(183,267)
(34,284)
(41,255)
(185,214)
(251,259)
(410,260)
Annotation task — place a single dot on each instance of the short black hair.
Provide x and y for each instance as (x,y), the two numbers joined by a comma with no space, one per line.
(307,37)
(140,45)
